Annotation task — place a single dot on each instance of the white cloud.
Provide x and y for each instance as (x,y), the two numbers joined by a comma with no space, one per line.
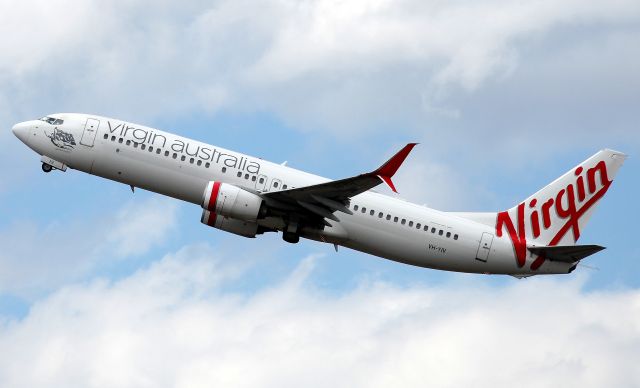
(36,258)
(471,77)
(435,184)
(174,325)
(137,227)
(317,64)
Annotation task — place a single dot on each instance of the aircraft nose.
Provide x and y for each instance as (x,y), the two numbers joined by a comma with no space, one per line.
(21,130)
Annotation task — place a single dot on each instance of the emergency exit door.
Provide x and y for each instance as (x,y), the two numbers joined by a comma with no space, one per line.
(90,131)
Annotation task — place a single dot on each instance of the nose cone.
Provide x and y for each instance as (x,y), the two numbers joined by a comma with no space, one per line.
(21,130)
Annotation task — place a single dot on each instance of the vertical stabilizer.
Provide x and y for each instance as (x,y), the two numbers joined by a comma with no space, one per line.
(558,213)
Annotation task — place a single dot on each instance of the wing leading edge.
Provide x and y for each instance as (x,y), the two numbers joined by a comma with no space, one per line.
(326,198)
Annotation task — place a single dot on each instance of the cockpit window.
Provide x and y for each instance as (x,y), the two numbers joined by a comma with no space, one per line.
(52,120)
(49,120)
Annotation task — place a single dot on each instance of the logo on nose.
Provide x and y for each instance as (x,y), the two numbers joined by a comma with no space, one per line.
(62,139)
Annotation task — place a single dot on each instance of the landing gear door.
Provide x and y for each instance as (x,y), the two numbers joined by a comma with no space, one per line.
(90,131)
(485,247)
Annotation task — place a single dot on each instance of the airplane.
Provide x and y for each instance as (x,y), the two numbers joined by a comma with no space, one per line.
(248,196)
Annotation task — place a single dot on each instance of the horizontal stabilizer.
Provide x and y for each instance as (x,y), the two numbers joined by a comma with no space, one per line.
(566,254)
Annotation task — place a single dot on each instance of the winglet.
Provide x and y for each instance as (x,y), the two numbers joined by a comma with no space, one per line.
(387,170)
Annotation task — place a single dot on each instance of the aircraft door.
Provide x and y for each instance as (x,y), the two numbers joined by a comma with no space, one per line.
(261,183)
(485,247)
(90,131)
(276,185)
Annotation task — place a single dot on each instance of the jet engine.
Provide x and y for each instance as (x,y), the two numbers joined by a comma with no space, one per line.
(231,225)
(231,201)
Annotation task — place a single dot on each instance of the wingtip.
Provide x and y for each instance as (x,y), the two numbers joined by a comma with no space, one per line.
(388,170)
(392,165)
(389,182)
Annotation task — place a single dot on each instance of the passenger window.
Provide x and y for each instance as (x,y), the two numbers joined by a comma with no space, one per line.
(410,223)
(364,209)
(275,184)
(440,232)
(246,176)
(175,156)
(166,153)
(433,230)
(261,180)
(388,217)
(120,140)
(143,146)
(448,234)
(135,145)
(224,169)
(128,142)
(426,228)
(150,149)
(284,187)
(418,226)
(380,215)
(455,236)
(395,219)
(113,138)
(158,151)
(355,208)
(106,136)
(253,178)
(199,163)
(403,221)
(183,158)
(191,160)
(207,164)
(239,174)
(372,212)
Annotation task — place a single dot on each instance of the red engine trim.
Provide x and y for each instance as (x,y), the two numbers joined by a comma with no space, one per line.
(213,199)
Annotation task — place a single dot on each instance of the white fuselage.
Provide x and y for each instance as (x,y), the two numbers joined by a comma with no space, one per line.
(181,168)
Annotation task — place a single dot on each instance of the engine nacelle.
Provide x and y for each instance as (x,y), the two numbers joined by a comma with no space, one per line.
(239,227)
(231,201)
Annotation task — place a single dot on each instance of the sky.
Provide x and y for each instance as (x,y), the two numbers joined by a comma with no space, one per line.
(100,287)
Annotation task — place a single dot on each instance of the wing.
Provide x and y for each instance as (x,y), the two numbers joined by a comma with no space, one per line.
(566,254)
(323,199)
